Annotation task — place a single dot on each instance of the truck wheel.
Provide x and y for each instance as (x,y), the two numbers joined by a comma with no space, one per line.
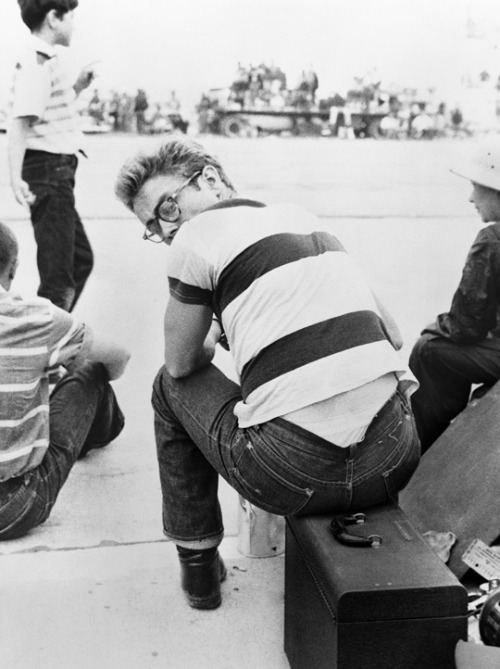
(232,126)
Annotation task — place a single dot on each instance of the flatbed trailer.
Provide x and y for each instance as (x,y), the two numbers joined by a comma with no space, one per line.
(252,122)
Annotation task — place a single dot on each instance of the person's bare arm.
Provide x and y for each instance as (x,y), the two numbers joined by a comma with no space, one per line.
(85,78)
(190,337)
(16,150)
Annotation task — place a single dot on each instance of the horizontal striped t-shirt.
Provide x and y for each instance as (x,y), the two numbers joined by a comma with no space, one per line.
(34,336)
(41,91)
(301,321)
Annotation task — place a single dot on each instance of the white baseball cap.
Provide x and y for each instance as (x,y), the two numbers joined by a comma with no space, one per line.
(483,166)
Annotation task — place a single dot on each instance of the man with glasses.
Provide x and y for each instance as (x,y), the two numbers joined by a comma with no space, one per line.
(319,420)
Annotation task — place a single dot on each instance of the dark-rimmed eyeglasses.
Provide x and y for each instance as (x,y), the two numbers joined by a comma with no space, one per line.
(168,211)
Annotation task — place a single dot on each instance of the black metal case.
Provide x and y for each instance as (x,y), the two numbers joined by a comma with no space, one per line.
(393,607)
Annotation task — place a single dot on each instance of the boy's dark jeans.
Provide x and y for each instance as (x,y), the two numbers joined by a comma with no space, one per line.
(64,254)
(84,414)
(446,372)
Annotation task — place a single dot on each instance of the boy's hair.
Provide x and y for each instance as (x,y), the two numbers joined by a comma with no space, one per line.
(177,157)
(33,12)
(8,247)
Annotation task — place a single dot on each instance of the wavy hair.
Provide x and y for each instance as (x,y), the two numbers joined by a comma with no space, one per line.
(177,157)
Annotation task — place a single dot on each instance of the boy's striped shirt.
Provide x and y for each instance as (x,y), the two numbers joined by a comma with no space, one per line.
(42,92)
(34,335)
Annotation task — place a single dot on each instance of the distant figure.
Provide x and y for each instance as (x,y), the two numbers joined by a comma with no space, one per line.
(96,108)
(44,141)
(42,435)
(391,126)
(204,110)
(173,103)
(114,109)
(127,113)
(312,83)
(463,346)
(240,85)
(141,104)
(457,119)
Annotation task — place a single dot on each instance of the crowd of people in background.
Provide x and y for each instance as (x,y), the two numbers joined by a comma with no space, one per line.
(125,112)
(265,85)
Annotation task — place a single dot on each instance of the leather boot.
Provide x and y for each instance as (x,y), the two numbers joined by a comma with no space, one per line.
(201,575)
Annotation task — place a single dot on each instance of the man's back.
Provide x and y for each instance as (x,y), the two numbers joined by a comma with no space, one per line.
(301,321)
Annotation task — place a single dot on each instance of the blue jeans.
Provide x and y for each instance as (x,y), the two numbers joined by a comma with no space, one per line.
(64,254)
(446,372)
(277,466)
(84,415)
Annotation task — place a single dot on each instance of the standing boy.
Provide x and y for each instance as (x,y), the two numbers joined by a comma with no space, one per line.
(44,140)
(462,347)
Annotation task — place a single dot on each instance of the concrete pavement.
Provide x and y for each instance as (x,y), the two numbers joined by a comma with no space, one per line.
(97,586)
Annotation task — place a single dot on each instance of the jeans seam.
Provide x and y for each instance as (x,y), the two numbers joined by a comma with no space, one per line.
(400,448)
(300,474)
(269,471)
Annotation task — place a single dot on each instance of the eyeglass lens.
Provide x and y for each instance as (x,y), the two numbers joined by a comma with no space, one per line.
(168,210)
(152,237)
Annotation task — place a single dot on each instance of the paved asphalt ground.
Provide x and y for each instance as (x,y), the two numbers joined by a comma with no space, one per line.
(97,586)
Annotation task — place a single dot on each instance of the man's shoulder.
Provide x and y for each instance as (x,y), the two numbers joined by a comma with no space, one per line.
(242,209)
(240,223)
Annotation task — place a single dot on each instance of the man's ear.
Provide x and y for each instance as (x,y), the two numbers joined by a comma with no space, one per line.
(211,176)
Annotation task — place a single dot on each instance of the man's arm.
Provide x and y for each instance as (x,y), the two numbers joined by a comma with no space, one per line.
(16,150)
(190,337)
(100,349)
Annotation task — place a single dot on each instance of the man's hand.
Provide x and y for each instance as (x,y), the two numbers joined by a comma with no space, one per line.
(218,333)
(22,193)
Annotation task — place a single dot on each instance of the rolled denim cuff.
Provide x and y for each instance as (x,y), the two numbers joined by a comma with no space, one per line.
(198,544)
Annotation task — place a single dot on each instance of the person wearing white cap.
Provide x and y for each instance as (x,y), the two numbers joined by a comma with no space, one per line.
(462,347)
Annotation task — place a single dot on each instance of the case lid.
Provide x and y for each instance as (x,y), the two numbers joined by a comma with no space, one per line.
(401,579)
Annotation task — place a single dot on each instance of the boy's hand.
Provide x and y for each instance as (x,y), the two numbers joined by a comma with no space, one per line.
(85,78)
(22,193)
